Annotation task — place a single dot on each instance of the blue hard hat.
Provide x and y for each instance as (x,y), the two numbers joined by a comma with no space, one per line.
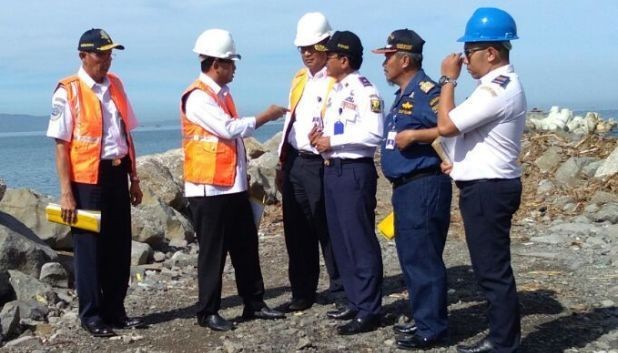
(489,24)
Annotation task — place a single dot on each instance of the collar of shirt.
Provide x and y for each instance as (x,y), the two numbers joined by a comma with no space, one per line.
(318,75)
(506,69)
(420,75)
(219,90)
(95,86)
(346,81)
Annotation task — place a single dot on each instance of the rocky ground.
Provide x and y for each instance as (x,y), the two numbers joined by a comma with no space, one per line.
(565,257)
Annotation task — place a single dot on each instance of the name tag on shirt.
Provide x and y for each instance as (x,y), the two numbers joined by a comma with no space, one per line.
(390,140)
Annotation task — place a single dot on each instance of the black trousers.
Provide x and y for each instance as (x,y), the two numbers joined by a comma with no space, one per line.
(304,224)
(225,223)
(102,261)
(487,207)
(350,189)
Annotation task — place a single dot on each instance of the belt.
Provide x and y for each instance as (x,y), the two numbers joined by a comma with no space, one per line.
(416,174)
(116,162)
(341,161)
(464,183)
(306,155)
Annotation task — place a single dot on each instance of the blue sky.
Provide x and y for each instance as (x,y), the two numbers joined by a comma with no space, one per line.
(567,54)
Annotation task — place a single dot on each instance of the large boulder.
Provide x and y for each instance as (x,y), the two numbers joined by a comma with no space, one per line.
(262,172)
(157,180)
(609,167)
(254,148)
(568,173)
(272,144)
(158,223)
(141,253)
(20,248)
(28,288)
(549,159)
(29,208)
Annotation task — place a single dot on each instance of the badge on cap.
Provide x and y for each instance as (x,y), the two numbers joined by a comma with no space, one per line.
(426,86)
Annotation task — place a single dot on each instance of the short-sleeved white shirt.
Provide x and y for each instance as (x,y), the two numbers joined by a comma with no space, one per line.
(203,110)
(491,123)
(114,140)
(355,104)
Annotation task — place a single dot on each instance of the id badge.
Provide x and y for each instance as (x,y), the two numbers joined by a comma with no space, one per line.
(390,140)
(338,128)
(317,121)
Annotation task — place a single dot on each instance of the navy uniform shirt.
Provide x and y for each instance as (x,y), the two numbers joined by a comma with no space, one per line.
(415,108)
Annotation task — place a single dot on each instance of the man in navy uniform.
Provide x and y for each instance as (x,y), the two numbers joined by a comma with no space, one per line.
(487,129)
(421,192)
(352,131)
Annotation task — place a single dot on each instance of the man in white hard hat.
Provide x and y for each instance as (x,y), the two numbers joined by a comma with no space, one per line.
(215,172)
(299,176)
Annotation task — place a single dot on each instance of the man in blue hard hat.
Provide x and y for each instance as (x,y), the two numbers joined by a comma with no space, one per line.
(486,131)
(421,192)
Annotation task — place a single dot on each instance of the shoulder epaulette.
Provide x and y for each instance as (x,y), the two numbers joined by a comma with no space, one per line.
(502,81)
(364,81)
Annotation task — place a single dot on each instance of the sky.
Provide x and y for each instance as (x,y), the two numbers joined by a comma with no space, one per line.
(567,54)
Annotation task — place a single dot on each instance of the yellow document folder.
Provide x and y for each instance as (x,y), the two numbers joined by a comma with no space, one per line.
(387,226)
(87,220)
(441,149)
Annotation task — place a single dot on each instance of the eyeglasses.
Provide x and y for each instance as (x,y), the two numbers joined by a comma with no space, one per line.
(307,49)
(470,51)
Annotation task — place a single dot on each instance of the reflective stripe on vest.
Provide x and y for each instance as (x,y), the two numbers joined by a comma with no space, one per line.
(208,159)
(85,146)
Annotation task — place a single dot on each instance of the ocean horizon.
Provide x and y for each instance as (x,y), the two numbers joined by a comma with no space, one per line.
(28,160)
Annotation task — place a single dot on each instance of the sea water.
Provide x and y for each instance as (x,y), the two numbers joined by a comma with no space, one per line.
(27,159)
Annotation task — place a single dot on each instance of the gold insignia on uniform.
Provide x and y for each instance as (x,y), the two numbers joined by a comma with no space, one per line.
(407,106)
(376,105)
(434,101)
(426,86)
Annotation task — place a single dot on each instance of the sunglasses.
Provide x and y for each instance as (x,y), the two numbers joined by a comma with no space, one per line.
(470,51)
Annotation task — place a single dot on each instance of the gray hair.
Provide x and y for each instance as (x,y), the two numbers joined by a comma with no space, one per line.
(416,58)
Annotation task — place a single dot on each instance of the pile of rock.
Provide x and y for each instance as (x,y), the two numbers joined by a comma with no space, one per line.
(562,119)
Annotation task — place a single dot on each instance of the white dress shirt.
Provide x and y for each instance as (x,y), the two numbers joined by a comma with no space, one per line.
(203,110)
(308,110)
(349,102)
(491,123)
(114,140)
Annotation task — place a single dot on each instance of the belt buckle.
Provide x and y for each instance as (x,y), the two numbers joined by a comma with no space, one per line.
(327,162)
(116,162)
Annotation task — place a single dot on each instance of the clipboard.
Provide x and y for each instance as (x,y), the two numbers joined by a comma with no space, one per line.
(441,149)
(86,219)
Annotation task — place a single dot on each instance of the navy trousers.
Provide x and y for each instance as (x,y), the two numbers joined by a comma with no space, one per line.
(487,207)
(350,189)
(422,215)
(102,261)
(225,223)
(304,224)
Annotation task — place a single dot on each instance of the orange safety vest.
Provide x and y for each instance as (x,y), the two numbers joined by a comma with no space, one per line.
(86,141)
(208,158)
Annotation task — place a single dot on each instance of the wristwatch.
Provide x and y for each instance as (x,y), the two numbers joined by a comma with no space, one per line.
(445,79)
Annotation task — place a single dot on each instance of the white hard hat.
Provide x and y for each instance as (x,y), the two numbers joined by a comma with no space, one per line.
(312,28)
(217,43)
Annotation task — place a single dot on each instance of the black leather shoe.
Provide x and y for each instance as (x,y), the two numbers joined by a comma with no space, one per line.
(299,305)
(344,313)
(482,346)
(358,325)
(126,322)
(98,329)
(265,313)
(418,342)
(408,328)
(215,322)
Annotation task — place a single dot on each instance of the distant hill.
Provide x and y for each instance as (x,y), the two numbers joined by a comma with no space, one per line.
(22,123)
